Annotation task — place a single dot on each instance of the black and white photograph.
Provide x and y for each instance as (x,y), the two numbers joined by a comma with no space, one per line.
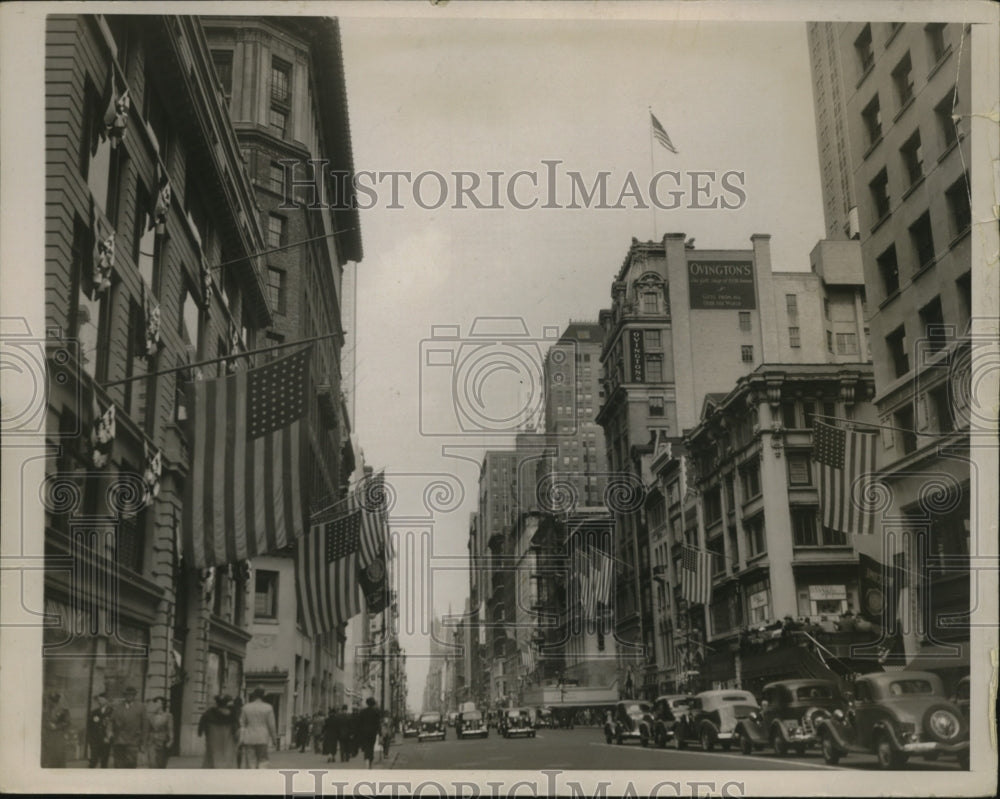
(499,399)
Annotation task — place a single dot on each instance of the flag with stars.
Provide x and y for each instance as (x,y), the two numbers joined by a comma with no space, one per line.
(660,134)
(846,478)
(243,490)
(326,573)
(696,576)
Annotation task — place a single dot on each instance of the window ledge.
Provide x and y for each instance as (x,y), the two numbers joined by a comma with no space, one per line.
(892,35)
(904,107)
(948,149)
(923,270)
(881,221)
(888,299)
(871,147)
(959,236)
(944,57)
(867,71)
(914,186)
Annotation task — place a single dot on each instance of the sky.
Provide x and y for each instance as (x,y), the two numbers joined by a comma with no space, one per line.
(506,95)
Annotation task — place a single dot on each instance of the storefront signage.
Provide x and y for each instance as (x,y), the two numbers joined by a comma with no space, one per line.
(637,350)
(818,592)
(721,285)
(758,600)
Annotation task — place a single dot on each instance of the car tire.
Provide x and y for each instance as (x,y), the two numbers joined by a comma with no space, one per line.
(746,745)
(660,738)
(727,745)
(831,755)
(707,741)
(680,738)
(888,757)
(963,760)
(961,725)
(779,744)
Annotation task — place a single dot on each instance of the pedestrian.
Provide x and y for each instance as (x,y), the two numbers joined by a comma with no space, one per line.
(302,732)
(385,734)
(55,722)
(129,730)
(161,733)
(330,735)
(220,726)
(344,734)
(369,722)
(99,732)
(354,732)
(237,715)
(258,729)
(317,732)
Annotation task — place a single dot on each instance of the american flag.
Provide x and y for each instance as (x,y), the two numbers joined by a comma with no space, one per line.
(660,134)
(696,576)
(326,573)
(243,496)
(528,659)
(583,571)
(602,572)
(846,478)
(370,498)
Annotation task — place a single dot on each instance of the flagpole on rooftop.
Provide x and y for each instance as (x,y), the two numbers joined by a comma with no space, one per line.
(652,171)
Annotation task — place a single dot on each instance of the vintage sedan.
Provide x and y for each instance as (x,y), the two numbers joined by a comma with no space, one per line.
(962,697)
(516,721)
(470,724)
(712,717)
(896,715)
(659,724)
(410,728)
(788,713)
(624,723)
(431,727)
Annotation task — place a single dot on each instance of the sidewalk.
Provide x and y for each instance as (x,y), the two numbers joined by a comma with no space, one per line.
(294,759)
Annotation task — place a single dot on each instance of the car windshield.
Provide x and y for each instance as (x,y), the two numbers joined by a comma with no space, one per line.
(814,692)
(736,698)
(474,716)
(901,687)
(430,717)
(638,707)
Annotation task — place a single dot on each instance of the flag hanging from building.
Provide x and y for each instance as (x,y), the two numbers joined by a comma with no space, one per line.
(696,576)
(660,134)
(846,478)
(528,659)
(326,573)
(602,572)
(582,569)
(243,496)
(370,498)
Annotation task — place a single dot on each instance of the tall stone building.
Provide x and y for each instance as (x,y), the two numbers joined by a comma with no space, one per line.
(907,90)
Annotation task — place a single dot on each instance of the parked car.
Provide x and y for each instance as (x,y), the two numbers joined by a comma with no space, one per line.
(516,721)
(896,715)
(711,718)
(431,727)
(659,724)
(962,697)
(471,723)
(624,722)
(452,718)
(544,718)
(788,713)
(410,728)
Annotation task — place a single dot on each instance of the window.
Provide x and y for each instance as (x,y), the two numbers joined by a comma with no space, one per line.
(718,550)
(913,158)
(902,78)
(872,117)
(826,308)
(946,124)
(933,325)
(88,320)
(190,322)
(745,321)
(923,240)
(804,527)
(958,206)
(940,403)
(656,406)
(276,177)
(847,344)
(964,284)
(896,343)
(906,435)
(278,119)
(746,353)
(750,480)
(788,419)
(650,303)
(935,41)
(147,247)
(829,341)
(808,415)
(280,80)
(276,230)
(879,189)
(713,506)
(888,269)
(792,304)
(654,369)
(276,288)
(800,470)
(651,339)
(157,117)
(223,61)
(794,338)
(756,539)
(863,48)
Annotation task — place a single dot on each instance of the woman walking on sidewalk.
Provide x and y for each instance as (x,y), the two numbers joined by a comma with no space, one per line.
(219,724)
(161,733)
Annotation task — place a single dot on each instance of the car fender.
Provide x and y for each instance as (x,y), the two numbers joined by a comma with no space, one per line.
(752,730)
(710,725)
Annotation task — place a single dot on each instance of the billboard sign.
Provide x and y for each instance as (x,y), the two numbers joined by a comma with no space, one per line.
(721,285)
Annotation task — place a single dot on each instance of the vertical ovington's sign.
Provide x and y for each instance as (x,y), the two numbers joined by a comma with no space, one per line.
(721,285)
(638,356)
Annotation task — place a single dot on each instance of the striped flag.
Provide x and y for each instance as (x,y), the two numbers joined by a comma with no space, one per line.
(371,496)
(696,576)
(583,570)
(242,495)
(603,569)
(846,478)
(528,659)
(660,134)
(326,573)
